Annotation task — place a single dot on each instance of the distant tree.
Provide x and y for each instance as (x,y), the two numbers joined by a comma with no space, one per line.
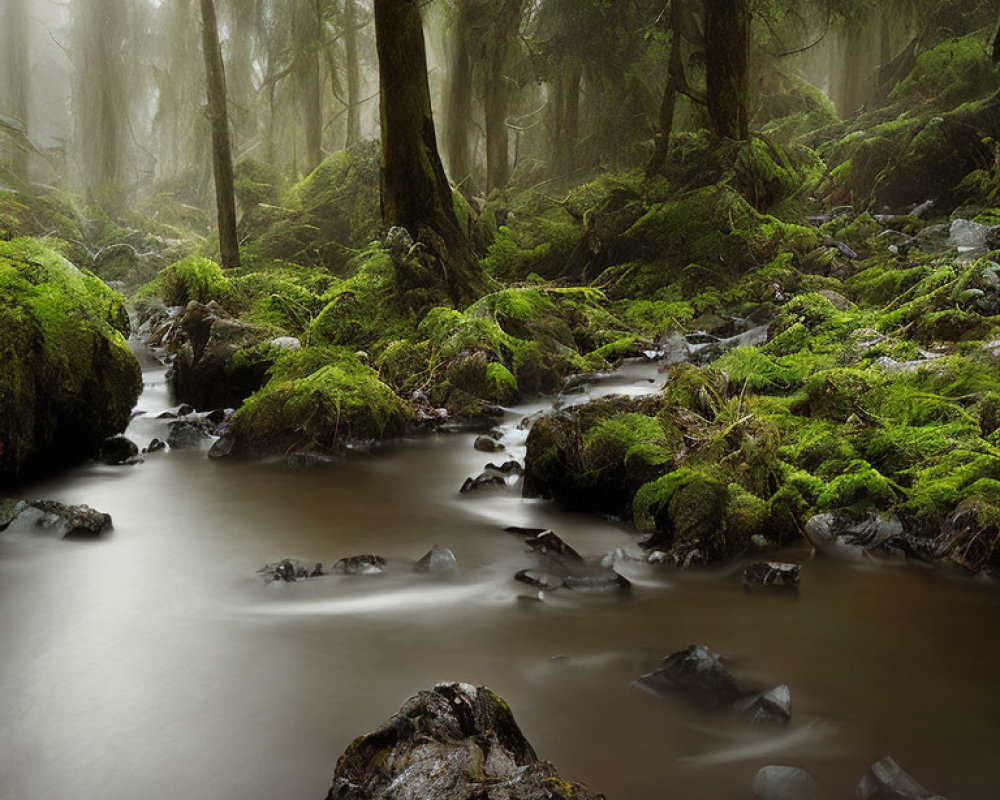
(14,18)
(222,158)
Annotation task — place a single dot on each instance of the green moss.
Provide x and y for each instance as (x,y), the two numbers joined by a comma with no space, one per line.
(191,278)
(67,377)
(317,398)
(954,72)
(859,485)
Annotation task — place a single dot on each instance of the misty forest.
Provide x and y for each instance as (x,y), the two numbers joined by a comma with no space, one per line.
(499,399)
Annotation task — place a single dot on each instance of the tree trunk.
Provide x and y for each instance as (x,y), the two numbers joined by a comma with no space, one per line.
(306,42)
(15,44)
(353,72)
(222,157)
(504,19)
(415,192)
(675,81)
(727,36)
(566,130)
(459,116)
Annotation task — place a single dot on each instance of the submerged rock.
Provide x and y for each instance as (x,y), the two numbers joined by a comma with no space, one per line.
(846,535)
(438,560)
(548,544)
(485,480)
(487,444)
(772,706)
(771,574)
(699,674)
(784,783)
(118,450)
(52,517)
(454,742)
(886,780)
(186,434)
(367,564)
(539,579)
(291,569)
(696,672)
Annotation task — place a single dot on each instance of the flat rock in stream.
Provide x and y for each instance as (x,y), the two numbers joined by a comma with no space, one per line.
(486,480)
(540,579)
(51,517)
(454,742)
(886,780)
(767,707)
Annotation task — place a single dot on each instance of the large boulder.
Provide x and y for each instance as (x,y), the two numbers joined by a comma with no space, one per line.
(453,742)
(68,380)
(48,516)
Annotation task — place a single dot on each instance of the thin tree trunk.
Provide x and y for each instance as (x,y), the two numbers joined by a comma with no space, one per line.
(353,68)
(727,37)
(459,115)
(567,128)
(15,21)
(222,157)
(415,191)
(675,80)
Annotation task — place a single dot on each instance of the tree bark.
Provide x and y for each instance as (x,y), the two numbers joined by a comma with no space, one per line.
(415,191)
(353,72)
(504,21)
(15,21)
(675,81)
(566,129)
(727,36)
(459,111)
(306,41)
(222,157)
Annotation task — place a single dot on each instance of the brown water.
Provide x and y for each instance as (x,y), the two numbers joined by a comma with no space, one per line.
(156,664)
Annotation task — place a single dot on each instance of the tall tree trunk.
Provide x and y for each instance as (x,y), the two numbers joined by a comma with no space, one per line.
(675,81)
(459,116)
(505,19)
(727,38)
(353,68)
(306,41)
(415,191)
(222,157)
(566,130)
(103,102)
(15,25)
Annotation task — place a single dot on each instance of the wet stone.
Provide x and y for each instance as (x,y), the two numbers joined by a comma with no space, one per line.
(367,564)
(774,706)
(487,444)
(886,780)
(696,672)
(438,561)
(771,574)
(51,517)
(155,446)
(597,580)
(291,569)
(784,783)
(540,579)
(548,544)
(118,450)
(485,481)
(186,435)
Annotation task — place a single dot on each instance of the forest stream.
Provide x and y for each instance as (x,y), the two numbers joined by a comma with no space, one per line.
(160,650)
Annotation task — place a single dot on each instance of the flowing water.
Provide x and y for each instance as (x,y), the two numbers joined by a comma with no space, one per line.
(157,664)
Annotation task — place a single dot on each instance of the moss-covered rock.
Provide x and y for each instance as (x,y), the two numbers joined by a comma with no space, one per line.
(317,398)
(67,377)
